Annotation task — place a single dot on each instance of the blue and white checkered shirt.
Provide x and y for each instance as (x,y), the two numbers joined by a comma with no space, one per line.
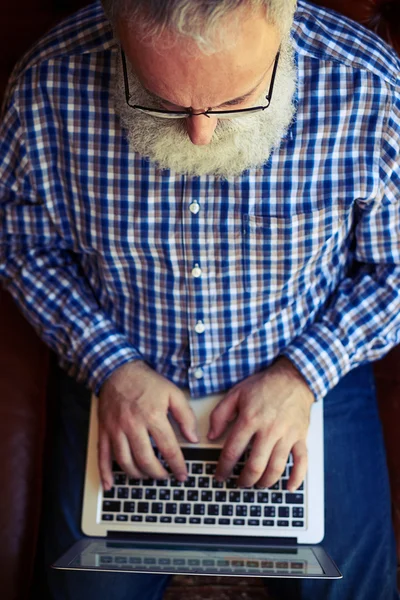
(208,281)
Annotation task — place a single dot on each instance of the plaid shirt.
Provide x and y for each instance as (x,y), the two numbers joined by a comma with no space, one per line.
(208,281)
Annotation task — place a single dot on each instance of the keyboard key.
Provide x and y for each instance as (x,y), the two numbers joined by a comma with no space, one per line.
(148,482)
(151,494)
(201,455)
(234,496)
(184,509)
(238,521)
(107,517)
(220,496)
(197,468)
(297,512)
(294,498)
(227,510)
(262,497)
(237,469)
(165,519)
(269,511)
(275,486)
(109,494)
(192,495)
(248,496)
(137,518)
(122,517)
(211,468)
(111,506)
(115,466)
(283,512)
(224,521)
(129,507)
(253,522)
(164,494)
(213,509)
(170,508)
(217,484)
(175,482)
(162,482)
(268,523)
(195,520)
(190,482)
(204,482)
(157,508)
(297,523)
(231,483)
(119,478)
(206,496)
(180,519)
(143,507)
(283,523)
(276,498)
(199,509)
(209,521)
(136,494)
(134,481)
(241,510)
(255,511)
(179,495)
(151,519)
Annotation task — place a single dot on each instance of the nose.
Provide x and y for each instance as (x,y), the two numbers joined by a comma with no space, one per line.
(200,129)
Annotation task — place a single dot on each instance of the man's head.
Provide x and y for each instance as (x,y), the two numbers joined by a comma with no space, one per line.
(202,54)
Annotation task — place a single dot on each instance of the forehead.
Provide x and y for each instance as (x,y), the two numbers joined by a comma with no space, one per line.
(175,68)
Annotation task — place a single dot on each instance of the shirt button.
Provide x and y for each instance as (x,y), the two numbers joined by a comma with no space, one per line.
(200,327)
(199,373)
(196,272)
(194,207)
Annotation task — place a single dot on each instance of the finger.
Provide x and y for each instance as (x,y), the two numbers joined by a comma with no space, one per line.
(300,465)
(224,413)
(276,464)
(143,454)
(168,445)
(123,456)
(257,462)
(104,459)
(233,449)
(184,416)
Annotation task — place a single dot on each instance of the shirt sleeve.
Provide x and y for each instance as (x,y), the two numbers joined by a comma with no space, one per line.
(362,321)
(44,275)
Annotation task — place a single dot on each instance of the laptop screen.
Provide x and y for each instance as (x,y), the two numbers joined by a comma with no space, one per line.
(126,556)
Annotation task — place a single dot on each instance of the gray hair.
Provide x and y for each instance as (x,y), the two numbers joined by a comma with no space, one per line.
(196,19)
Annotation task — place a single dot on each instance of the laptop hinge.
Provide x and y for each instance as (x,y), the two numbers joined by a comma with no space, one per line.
(203,540)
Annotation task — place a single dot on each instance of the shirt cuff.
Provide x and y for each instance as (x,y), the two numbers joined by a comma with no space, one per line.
(320,357)
(101,352)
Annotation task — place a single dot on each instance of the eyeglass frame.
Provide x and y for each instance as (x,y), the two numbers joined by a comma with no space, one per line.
(189,112)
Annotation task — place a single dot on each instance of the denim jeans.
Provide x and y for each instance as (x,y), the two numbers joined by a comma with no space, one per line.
(358,528)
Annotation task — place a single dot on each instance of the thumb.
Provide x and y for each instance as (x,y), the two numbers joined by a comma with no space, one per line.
(184,416)
(222,415)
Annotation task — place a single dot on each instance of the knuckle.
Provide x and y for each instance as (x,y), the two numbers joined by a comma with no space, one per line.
(170,453)
(229,454)
(254,469)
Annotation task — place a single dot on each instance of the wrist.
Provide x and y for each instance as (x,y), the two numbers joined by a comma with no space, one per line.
(285,366)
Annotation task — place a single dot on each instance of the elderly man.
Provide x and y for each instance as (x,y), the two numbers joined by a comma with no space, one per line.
(204,195)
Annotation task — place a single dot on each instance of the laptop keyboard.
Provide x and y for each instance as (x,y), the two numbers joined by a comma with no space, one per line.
(201,500)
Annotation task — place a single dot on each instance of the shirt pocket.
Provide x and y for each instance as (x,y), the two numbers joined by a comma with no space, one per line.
(282,255)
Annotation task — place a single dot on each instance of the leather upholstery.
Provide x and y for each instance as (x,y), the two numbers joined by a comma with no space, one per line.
(24,359)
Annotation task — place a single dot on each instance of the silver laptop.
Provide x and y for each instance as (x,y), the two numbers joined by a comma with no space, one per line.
(202,526)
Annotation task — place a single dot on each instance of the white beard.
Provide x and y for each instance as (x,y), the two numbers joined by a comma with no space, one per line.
(236,145)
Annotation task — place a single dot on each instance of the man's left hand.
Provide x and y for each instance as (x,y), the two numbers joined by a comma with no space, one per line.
(272,410)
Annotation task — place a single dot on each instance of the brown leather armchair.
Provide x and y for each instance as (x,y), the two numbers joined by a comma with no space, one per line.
(24,360)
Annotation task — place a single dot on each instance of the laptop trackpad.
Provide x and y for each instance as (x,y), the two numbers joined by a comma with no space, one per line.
(202,408)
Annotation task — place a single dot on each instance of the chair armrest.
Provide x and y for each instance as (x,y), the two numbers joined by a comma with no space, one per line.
(23,380)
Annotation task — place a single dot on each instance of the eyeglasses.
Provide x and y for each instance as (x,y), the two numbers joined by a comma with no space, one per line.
(184,114)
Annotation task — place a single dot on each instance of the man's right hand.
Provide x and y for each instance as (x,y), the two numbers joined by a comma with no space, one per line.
(133,404)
